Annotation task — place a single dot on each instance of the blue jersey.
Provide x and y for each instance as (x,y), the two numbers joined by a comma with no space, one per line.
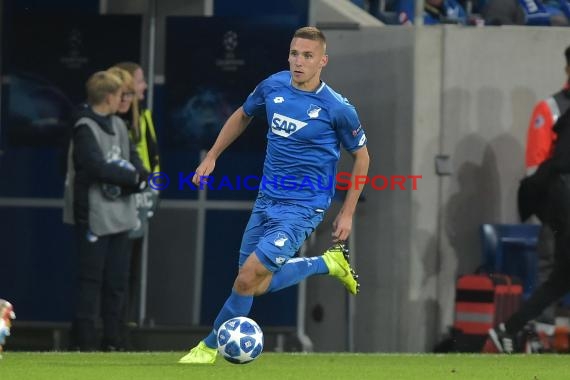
(305,132)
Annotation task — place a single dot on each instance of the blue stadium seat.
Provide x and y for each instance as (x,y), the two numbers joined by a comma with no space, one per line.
(512,249)
(535,13)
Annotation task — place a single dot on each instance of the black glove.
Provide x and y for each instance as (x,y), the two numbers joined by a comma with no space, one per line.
(140,185)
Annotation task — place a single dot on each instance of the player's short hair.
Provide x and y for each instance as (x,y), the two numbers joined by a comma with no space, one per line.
(567,54)
(101,84)
(311,33)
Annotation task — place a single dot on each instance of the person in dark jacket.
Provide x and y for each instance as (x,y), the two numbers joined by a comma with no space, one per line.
(143,136)
(545,194)
(539,147)
(103,172)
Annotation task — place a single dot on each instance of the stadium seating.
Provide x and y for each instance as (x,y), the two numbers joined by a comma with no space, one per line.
(511,249)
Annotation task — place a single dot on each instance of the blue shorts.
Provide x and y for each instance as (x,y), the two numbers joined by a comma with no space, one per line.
(276,230)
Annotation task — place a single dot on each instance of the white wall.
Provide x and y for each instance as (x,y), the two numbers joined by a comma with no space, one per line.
(465,92)
(492,79)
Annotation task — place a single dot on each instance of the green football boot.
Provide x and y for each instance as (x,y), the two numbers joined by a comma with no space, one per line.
(201,354)
(336,260)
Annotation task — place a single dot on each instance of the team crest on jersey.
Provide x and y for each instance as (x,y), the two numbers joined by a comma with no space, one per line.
(285,126)
(313,111)
(280,240)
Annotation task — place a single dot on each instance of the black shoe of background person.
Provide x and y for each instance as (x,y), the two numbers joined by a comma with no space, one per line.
(502,339)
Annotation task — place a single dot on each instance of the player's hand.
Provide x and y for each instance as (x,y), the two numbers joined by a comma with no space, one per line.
(342,226)
(205,168)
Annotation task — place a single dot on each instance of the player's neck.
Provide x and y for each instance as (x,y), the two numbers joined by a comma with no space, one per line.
(309,86)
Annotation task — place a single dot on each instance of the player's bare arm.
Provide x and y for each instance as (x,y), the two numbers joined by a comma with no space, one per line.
(342,225)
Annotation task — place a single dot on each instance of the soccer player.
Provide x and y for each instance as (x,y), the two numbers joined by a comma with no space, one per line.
(308,121)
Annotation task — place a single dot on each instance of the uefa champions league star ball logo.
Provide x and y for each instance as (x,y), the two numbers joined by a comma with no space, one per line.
(230,61)
(75,57)
(230,41)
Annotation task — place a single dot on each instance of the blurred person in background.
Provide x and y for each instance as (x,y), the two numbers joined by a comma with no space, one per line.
(547,193)
(540,135)
(103,171)
(143,134)
(503,12)
(539,147)
(6,316)
(128,111)
(521,12)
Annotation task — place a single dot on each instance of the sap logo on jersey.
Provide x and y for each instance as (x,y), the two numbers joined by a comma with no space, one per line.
(285,126)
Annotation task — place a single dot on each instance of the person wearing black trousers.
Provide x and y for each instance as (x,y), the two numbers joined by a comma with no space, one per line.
(102,173)
(545,194)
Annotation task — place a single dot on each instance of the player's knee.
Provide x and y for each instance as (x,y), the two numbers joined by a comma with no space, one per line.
(245,282)
(249,282)
(241,286)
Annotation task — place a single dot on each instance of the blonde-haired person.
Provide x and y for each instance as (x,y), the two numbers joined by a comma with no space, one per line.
(103,170)
(143,135)
(129,106)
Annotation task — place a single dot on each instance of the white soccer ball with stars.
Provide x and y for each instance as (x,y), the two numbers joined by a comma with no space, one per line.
(240,340)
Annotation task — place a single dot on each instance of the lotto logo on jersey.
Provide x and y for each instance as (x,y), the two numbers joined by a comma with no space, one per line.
(285,126)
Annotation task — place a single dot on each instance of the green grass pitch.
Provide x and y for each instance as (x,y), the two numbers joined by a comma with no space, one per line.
(163,366)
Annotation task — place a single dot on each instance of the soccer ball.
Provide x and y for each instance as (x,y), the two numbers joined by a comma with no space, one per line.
(240,340)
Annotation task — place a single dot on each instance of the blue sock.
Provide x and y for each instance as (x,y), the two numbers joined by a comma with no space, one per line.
(295,270)
(235,306)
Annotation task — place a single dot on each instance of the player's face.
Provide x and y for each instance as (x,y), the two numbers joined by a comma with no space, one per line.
(306,60)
